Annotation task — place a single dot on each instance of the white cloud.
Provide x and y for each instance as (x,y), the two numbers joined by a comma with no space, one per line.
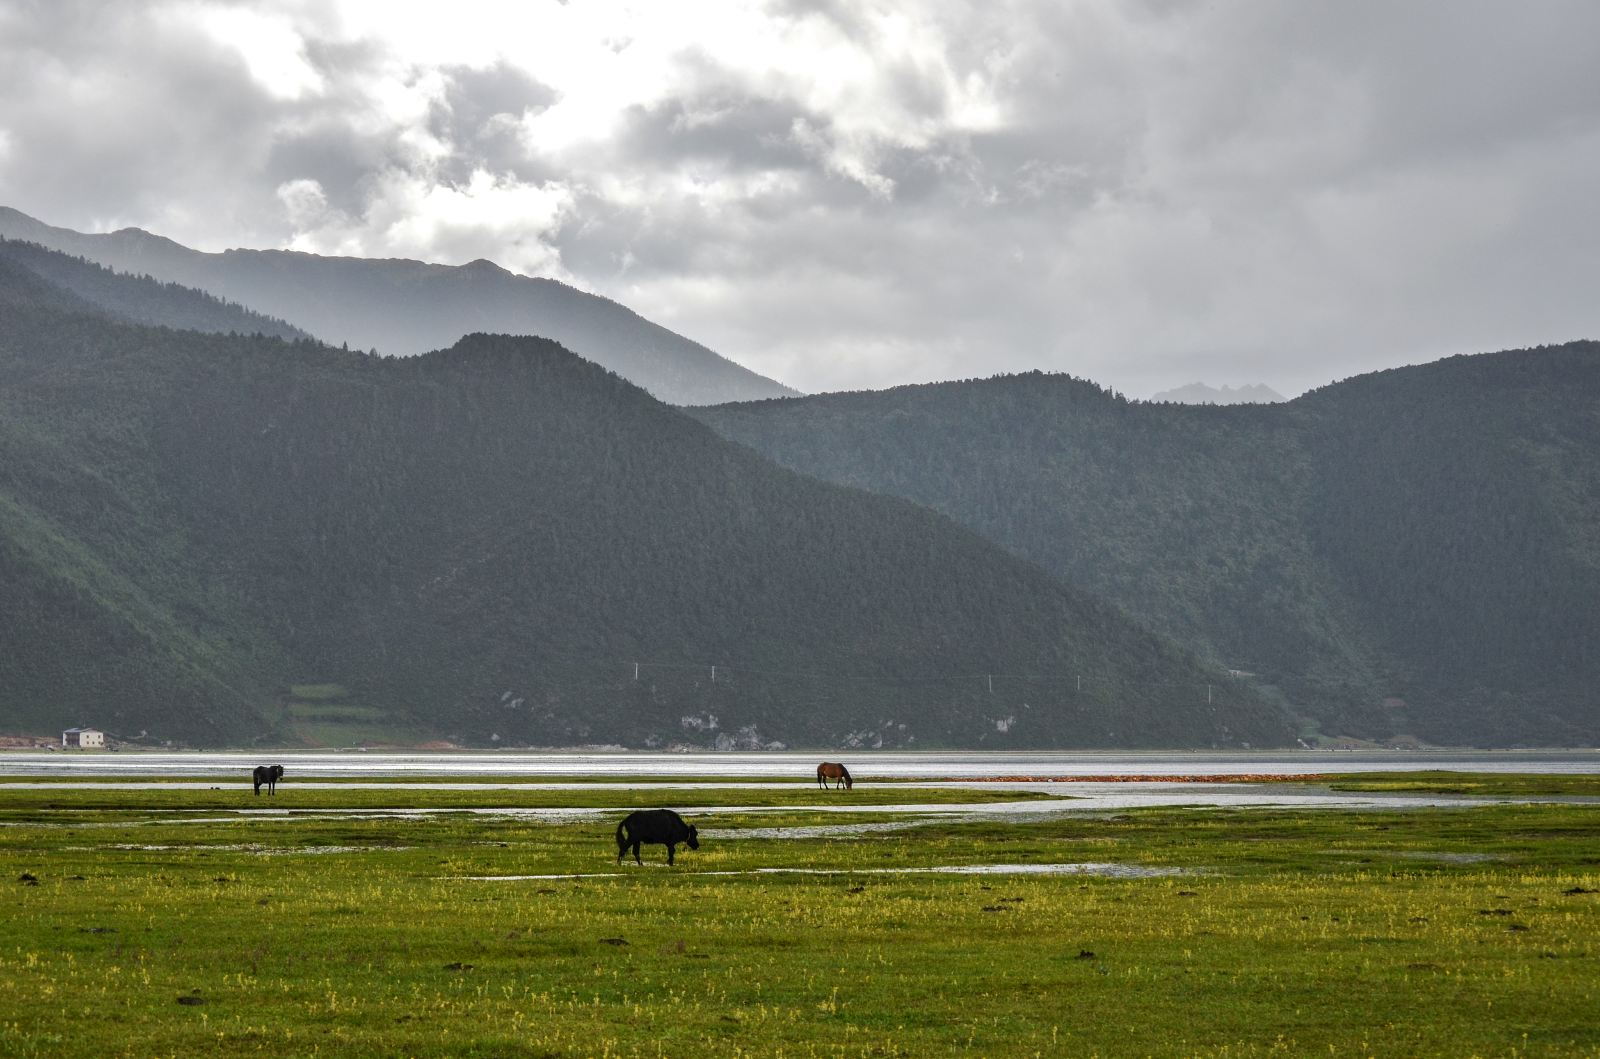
(508,219)
(407,214)
(271,48)
(305,203)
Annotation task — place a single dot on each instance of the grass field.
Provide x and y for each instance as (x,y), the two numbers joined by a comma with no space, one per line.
(139,927)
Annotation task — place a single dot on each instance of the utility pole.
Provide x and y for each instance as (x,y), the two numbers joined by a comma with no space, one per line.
(713,674)
(636,672)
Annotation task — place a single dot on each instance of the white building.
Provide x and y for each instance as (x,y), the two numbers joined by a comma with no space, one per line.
(83,738)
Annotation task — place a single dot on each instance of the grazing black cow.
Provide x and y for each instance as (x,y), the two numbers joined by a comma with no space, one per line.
(659,827)
(267,776)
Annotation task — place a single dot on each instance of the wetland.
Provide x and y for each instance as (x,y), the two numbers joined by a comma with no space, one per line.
(1424,914)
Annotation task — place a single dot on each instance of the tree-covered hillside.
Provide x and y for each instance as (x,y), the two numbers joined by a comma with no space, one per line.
(141,299)
(503,542)
(1458,505)
(1408,552)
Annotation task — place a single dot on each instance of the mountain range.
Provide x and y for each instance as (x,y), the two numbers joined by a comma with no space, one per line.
(232,530)
(409,307)
(1412,552)
(240,534)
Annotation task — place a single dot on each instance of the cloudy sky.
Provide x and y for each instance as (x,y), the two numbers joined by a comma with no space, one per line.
(846,195)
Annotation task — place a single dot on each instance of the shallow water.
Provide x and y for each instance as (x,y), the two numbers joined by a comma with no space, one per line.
(1115,871)
(241,847)
(1074,796)
(1067,799)
(967,765)
(805,831)
(195,770)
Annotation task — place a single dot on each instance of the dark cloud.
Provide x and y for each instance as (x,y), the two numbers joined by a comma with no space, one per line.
(739,133)
(479,114)
(329,154)
(102,121)
(474,97)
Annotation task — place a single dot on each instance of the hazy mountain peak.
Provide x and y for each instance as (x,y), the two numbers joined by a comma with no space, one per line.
(1201,393)
(138,241)
(92,287)
(405,307)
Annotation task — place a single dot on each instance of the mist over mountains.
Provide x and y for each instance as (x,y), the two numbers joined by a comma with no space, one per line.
(409,307)
(233,537)
(1201,393)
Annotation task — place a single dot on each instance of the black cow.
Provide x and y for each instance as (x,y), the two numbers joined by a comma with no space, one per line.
(659,827)
(268,776)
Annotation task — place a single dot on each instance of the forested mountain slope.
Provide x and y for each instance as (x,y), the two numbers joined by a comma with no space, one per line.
(407,307)
(141,299)
(502,542)
(1414,551)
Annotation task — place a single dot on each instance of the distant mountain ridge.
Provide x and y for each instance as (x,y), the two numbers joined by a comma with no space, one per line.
(1409,552)
(407,307)
(224,538)
(140,299)
(1201,393)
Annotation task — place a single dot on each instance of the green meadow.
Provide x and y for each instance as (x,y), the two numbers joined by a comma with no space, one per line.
(164,923)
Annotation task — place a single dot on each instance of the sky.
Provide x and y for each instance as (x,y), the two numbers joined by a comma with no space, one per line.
(852,195)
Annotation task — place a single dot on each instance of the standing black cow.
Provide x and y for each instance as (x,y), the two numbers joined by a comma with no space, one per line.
(659,827)
(268,776)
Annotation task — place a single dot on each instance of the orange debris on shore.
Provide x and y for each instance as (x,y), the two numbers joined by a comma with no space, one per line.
(1231,777)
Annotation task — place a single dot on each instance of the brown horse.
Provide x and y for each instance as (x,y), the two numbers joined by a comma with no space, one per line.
(832,770)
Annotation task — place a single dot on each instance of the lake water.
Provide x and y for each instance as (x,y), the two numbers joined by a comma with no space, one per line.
(953,765)
(1142,780)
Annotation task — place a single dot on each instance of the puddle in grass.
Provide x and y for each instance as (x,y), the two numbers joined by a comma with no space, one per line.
(1084,798)
(815,831)
(234,847)
(1110,871)
(1435,856)
(1106,871)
